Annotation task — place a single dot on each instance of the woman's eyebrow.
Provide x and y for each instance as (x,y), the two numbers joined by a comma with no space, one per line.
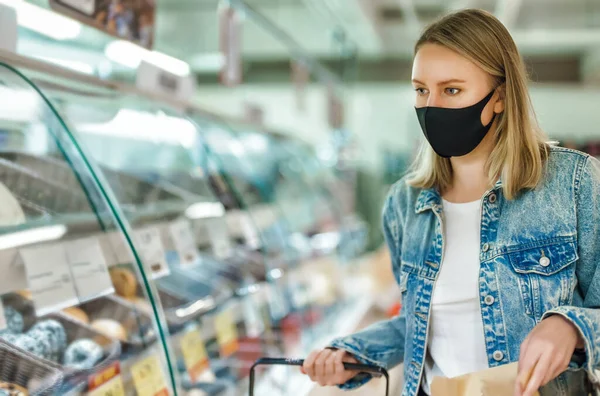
(445,82)
(453,80)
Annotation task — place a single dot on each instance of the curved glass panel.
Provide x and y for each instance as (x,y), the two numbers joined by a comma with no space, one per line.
(66,327)
(196,243)
(257,164)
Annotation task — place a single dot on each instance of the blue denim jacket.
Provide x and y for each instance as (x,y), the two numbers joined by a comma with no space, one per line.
(539,257)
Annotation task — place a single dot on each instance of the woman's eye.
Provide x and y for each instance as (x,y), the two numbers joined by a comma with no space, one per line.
(421,91)
(452,91)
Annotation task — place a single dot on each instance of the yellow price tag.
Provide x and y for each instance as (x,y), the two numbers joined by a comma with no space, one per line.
(148,377)
(108,382)
(194,354)
(227,335)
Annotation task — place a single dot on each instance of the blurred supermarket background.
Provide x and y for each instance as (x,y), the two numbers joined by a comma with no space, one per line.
(189,185)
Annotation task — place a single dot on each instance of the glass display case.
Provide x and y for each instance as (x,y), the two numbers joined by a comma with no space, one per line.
(305,232)
(65,326)
(198,247)
(175,246)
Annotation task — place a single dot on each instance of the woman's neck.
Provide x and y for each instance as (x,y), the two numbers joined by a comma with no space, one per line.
(469,177)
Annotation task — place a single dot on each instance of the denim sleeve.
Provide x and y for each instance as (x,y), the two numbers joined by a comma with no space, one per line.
(587,318)
(381,344)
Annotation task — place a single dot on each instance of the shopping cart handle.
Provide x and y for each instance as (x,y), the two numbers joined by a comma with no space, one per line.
(375,371)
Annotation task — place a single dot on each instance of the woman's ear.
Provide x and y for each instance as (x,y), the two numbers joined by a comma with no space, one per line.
(499,105)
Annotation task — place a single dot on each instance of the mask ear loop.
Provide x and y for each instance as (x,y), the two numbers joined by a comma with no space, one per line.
(494,114)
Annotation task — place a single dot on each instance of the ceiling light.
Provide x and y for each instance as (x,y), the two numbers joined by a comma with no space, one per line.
(44,21)
(131,55)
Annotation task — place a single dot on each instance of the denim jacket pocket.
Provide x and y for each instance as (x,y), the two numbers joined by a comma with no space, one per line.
(546,274)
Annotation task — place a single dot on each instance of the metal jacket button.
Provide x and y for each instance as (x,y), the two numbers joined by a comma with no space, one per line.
(544,261)
(492,198)
(489,300)
(498,355)
(486,247)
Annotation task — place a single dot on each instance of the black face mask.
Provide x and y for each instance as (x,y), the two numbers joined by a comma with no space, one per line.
(454,132)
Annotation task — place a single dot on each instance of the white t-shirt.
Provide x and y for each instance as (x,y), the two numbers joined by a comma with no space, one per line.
(456,340)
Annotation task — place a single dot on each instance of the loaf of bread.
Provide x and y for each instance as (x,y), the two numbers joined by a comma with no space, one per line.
(110,328)
(124,282)
(26,294)
(77,314)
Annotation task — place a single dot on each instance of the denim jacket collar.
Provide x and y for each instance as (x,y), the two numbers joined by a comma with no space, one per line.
(430,198)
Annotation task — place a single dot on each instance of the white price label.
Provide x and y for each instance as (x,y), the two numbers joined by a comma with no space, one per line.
(152,251)
(184,241)
(89,269)
(88,7)
(219,238)
(117,248)
(49,278)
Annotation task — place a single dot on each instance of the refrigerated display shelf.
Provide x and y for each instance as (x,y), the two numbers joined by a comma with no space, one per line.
(85,193)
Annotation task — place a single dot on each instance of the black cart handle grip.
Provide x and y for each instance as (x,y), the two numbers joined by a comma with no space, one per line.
(375,371)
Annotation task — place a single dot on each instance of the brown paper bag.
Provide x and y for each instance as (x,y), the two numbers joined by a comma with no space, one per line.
(497,381)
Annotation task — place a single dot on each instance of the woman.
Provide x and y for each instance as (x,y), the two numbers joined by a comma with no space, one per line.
(494,235)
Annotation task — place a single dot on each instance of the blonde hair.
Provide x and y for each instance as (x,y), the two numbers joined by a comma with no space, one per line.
(520,150)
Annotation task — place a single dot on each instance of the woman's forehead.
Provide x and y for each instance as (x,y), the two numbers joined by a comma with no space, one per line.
(437,64)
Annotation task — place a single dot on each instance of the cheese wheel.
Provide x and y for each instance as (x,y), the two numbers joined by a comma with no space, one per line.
(124,282)
(110,328)
(77,314)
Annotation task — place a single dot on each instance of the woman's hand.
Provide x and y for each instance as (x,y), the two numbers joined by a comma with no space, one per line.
(326,367)
(546,353)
